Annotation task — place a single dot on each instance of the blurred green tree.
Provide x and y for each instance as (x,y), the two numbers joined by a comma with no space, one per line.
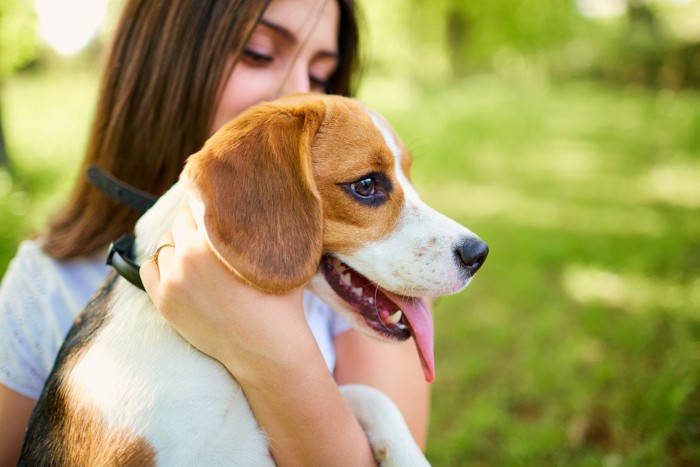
(653,46)
(476,31)
(539,40)
(18,47)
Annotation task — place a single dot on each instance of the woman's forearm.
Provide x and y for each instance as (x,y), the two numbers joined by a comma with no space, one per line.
(298,404)
(394,369)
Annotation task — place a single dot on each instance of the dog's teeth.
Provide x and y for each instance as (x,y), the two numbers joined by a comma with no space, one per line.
(401,326)
(357,290)
(346,278)
(396,317)
(370,300)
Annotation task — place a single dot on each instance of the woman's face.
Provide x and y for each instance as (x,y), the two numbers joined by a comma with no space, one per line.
(294,48)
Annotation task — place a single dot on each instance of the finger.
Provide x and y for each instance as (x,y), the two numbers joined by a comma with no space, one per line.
(163,257)
(150,270)
(150,276)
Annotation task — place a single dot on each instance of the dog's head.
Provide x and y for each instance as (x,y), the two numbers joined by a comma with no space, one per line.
(316,188)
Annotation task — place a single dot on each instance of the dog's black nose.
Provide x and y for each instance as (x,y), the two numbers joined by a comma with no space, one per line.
(472,253)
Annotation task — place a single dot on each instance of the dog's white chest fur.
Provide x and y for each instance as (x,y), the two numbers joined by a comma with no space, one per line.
(143,377)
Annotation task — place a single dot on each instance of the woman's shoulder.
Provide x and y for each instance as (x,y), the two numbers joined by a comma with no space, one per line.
(36,271)
(29,273)
(30,258)
(40,289)
(39,299)
(37,284)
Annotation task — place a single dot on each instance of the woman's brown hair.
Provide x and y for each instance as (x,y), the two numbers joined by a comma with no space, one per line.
(159,88)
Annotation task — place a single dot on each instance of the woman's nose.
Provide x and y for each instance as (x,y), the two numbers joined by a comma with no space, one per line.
(297,80)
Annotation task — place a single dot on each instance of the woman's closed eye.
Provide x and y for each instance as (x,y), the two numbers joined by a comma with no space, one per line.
(255,58)
(321,69)
(318,84)
(260,59)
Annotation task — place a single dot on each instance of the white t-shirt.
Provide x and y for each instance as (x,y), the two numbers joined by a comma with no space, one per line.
(40,297)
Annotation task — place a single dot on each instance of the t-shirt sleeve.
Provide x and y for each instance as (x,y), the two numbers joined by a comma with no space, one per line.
(39,299)
(338,323)
(325,324)
(21,365)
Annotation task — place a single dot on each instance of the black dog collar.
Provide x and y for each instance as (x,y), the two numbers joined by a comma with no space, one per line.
(121,251)
(120,258)
(119,191)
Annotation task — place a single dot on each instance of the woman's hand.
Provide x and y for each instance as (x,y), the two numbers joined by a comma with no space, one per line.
(266,344)
(215,311)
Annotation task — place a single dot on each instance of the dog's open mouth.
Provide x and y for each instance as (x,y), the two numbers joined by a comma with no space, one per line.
(387,314)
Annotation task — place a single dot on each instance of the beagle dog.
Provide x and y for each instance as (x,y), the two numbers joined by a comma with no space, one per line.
(309,189)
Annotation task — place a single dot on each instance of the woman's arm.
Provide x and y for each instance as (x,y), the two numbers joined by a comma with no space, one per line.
(15,410)
(265,342)
(393,368)
(306,419)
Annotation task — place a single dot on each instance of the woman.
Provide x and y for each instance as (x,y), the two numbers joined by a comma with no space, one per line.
(176,72)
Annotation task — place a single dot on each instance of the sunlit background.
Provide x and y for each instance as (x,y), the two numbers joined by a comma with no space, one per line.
(68,26)
(565,132)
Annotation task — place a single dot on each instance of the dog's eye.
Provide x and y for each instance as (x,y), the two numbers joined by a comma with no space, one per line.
(364,188)
(372,189)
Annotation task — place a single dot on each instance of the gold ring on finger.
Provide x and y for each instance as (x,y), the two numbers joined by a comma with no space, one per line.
(154,256)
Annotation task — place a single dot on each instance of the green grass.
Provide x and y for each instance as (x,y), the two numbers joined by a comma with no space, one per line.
(577,344)
(46,120)
(579,341)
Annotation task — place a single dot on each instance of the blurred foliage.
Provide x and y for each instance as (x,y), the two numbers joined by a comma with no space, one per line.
(18,46)
(656,43)
(47,116)
(475,32)
(652,47)
(18,39)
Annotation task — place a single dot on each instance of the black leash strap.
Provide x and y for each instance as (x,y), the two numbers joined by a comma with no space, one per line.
(119,191)
(119,257)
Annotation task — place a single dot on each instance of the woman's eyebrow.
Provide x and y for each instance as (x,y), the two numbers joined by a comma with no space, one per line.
(291,37)
(281,30)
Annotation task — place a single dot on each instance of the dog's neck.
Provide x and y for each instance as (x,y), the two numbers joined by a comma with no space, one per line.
(158,220)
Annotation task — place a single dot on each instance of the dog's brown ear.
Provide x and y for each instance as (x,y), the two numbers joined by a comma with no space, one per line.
(262,210)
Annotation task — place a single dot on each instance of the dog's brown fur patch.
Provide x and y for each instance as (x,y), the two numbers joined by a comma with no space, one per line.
(270,182)
(67,431)
(347,148)
(79,436)
(261,208)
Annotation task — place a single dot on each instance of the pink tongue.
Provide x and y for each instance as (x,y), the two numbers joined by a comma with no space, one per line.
(420,320)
